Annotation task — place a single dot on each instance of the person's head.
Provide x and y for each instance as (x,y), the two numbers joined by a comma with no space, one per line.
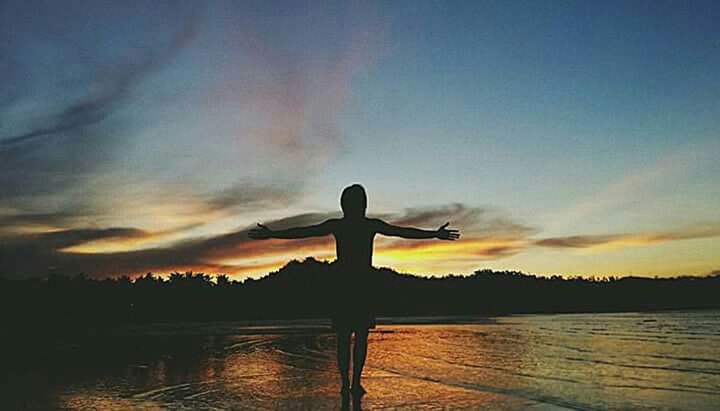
(353,201)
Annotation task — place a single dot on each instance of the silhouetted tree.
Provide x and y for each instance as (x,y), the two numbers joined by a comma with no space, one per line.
(300,290)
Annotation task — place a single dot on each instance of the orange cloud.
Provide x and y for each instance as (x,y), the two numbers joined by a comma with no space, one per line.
(616,240)
(487,235)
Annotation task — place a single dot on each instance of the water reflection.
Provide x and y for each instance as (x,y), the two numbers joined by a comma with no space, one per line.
(581,361)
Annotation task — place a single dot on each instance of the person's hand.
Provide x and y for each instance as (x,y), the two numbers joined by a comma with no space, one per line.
(260,233)
(444,234)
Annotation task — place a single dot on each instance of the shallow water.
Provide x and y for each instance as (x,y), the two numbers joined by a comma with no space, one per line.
(572,361)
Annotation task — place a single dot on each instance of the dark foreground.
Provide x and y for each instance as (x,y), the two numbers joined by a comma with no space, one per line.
(574,361)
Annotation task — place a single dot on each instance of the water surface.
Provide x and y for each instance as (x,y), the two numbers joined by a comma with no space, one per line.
(572,361)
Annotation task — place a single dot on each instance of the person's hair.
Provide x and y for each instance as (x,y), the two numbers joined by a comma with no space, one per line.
(353,201)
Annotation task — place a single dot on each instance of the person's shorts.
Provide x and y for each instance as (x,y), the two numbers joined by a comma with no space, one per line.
(353,302)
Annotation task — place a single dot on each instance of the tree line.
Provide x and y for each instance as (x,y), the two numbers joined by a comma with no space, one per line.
(304,289)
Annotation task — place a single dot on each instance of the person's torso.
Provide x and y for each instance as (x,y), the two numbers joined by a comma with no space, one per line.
(354,243)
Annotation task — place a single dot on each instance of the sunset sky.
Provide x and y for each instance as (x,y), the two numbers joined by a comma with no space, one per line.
(579,138)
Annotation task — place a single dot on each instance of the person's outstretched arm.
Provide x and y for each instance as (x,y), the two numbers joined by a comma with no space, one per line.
(441,233)
(262,232)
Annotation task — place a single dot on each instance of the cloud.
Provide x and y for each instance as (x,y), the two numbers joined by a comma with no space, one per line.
(299,98)
(92,155)
(249,195)
(486,233)
(54,164)
(40,254)
(632,189)
(577,241)
(706,230)
(60,239)
(15,220)
(234,252)
(112,85)
(35,254)
(165,215)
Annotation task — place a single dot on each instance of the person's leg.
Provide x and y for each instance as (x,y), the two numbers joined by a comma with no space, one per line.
(343,357)
(359,355)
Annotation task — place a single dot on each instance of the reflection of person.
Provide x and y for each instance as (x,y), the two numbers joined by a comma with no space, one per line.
(354,234)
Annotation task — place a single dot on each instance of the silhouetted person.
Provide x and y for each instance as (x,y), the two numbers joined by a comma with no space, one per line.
(353,311)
